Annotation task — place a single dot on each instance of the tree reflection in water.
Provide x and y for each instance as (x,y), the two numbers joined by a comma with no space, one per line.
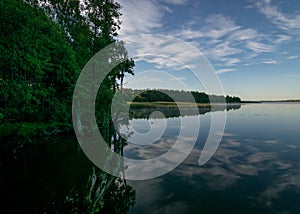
(104,193)
(53,176)
(144,111)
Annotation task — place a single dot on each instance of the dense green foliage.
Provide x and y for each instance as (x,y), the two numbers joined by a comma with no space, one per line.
(38,67)
(43,48)
(180,96)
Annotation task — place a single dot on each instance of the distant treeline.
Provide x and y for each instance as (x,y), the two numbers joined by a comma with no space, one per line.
(163,95)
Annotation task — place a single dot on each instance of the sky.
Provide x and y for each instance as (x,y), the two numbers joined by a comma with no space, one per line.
(253,47)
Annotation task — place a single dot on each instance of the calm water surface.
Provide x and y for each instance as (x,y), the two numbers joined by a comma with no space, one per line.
(256,168)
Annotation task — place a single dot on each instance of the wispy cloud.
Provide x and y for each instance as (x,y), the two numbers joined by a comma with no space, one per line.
(224,42)
(270,62)
(178,78)
(214,27)
(167,9)
(293,57)
(217,26)
(221,50)
(225,70)
(176,1)
(282,38)
(259,47)
(244,34)
(231,61)
(164,52)
(155,79)
(189,34)
(288,22)
(249,7)
(145,18)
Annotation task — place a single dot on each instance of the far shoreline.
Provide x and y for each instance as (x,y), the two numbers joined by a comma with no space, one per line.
(184,104)
(205,105)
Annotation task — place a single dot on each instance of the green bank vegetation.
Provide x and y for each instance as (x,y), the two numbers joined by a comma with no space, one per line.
(44,45)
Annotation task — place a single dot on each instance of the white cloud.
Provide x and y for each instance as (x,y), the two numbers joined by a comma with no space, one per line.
(287,22)
(270,62)
(282,38)
(230,61)
(167,9)
(139,17)
(222,50)
(225,70)
(249,7)
(292,57)
(244,34)
(154,79)
(263,61)
(189,34)
(164,52)
(217,26)
(223,41)
(259,47)
(176,1)
(178,78)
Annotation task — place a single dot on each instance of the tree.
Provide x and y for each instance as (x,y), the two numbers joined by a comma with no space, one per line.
(38,67)
(119,72)
(90,25)
(42,56)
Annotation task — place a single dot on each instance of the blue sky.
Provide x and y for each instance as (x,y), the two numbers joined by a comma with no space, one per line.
(253,46)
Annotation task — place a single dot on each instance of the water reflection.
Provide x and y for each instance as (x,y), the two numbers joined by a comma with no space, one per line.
(256,169)
(144,111)
(56,177)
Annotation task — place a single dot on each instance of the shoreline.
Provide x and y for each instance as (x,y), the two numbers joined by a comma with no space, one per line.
(186,104)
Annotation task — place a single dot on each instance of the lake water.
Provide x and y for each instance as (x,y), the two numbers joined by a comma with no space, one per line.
(256,168)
